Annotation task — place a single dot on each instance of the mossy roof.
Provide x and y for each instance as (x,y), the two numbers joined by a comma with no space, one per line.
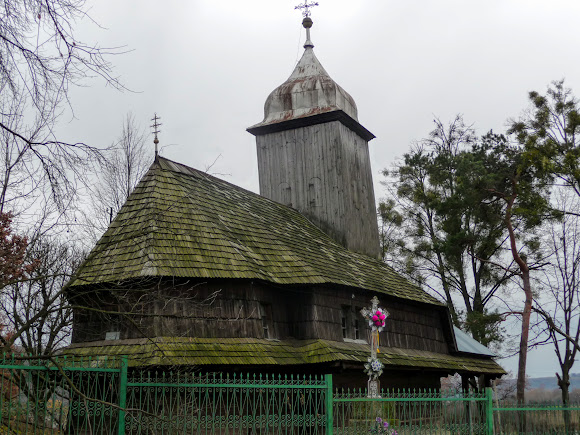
(167,351)
(181,222)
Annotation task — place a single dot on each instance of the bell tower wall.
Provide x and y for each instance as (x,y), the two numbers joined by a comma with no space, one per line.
(323,171)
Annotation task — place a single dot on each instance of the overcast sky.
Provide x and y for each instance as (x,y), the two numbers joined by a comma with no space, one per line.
(206,68)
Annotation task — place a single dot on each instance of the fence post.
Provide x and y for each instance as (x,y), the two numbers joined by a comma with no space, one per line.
(489,410)
(329,405)
(122,394)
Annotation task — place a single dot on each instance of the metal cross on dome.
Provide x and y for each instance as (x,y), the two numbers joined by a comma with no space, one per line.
(306,7)
(156,131)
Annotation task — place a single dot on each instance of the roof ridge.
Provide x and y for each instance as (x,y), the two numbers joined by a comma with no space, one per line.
(203,174)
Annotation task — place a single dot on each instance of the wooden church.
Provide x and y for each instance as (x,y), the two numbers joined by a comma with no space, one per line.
(197,272)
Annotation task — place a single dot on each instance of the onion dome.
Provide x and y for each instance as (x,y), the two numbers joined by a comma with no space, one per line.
(309,91)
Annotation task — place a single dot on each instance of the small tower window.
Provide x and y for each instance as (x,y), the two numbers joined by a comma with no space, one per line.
(285,193)
(314,192)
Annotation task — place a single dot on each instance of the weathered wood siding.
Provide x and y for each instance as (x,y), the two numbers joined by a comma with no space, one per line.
(186,310)
(324,172)
(409,326)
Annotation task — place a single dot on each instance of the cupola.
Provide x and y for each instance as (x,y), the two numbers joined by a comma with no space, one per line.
(309,92)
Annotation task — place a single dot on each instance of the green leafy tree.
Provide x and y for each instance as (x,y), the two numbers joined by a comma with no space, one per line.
(550,133)
(504,175)
(440,234)
(390,221)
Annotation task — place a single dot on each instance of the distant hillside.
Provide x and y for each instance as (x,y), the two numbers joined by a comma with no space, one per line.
(551,383)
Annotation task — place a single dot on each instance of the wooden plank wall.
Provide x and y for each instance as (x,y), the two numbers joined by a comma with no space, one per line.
(293,312)
(324,172)
(409,326)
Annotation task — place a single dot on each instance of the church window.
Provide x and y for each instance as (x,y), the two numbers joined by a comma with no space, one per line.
(351,323)
(113,335)
(265,327)
(266,319)
(343,319)
(114,326)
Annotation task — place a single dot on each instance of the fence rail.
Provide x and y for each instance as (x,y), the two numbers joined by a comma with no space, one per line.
(100,396)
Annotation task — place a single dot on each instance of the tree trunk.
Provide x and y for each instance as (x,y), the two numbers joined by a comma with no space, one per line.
(442,273)
(478,332)
(449,301)
(564,384)
(525,274)
(521,383)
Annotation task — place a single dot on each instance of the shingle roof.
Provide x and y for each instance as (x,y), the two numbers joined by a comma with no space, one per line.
(253,351)
(181,222)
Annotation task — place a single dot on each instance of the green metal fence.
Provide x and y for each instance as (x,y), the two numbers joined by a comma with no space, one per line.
(176,403)
(533,418)
(411,411)
(53,396)
(100,396)
(448,412)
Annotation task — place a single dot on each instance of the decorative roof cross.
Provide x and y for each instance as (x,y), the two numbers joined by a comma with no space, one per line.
(156,130)
(306,7)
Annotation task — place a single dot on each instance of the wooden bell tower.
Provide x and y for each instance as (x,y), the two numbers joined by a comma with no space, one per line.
(313,154)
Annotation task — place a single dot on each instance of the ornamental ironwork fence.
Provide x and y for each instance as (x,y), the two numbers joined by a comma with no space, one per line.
(412,412)
(180,403)
(100,396)
(59,395)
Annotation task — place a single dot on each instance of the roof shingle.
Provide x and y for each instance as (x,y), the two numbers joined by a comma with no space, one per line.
(253,351)
(181,222)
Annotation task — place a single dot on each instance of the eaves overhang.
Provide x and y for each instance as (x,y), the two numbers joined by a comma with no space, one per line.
(319,118)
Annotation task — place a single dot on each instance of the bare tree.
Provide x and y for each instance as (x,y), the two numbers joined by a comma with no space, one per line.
(126,162)
(41,59)
(561,310)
